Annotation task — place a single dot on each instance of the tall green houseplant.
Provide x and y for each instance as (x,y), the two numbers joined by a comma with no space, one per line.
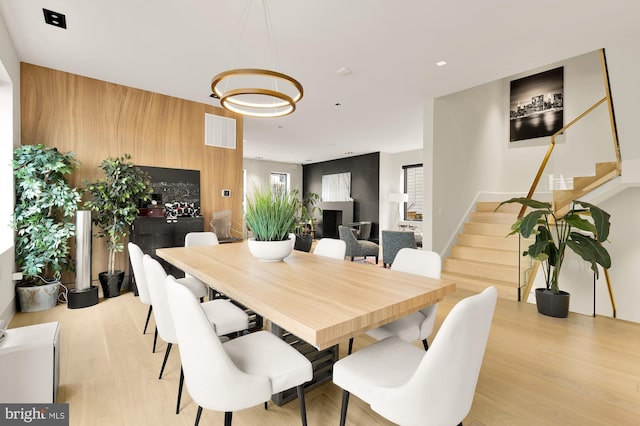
(271,214)
(45,209)
(583,229)
(114,201)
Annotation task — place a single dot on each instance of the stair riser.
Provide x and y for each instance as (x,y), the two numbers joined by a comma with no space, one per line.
(487,271)
(489,242)
(500,257)
(488,217)
(501,230)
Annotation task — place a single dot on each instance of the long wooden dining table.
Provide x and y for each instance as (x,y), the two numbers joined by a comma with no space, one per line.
(320,300)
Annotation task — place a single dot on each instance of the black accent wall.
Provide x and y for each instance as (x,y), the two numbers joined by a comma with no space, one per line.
(365,187)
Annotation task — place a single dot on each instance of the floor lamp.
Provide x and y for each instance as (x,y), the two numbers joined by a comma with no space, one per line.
(399,198)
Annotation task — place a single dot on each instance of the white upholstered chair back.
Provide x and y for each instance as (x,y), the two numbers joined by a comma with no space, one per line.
(136,255)
(194,239)
(212,378)
(156,277)
(331,247)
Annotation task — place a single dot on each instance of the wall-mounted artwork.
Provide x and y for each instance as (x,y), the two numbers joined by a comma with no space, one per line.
(537,105)
(336,187)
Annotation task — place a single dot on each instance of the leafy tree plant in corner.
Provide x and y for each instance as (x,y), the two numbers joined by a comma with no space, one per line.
(583,229)
(114,200)
(43,217)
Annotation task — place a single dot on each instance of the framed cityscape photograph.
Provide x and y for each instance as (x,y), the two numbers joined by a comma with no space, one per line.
(536,105)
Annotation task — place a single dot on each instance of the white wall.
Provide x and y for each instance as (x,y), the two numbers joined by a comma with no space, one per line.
(9,138)
(259,173)
(473,155)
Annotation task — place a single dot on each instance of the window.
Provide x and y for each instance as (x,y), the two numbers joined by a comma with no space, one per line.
(280,181)
(413,187)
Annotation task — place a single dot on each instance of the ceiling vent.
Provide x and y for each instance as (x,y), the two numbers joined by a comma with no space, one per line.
(219,131)
(54,18)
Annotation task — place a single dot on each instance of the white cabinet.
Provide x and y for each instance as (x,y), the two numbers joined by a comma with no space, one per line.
(30,364)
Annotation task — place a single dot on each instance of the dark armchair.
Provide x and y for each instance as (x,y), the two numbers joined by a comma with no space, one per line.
(393,241)
(355,247)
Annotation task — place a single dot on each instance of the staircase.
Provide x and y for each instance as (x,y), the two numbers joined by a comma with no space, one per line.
(484,256)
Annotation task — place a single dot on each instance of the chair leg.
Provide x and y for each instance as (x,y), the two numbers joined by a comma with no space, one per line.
(147,322)
(352,258)
(265,405)
(350,346)
(376,260)
(303,405)
(202,299)
(425,344)
(343,410)
(180,384)
(227,418)
(198,415)
(166,355)
(155,339)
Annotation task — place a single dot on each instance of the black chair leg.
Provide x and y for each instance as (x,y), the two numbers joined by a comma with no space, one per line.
(155,339)
(198,415)
(202,299)
(303,405)
(147,322)
(343,410)
(350,346)
(425,344)
(227,418)
(352,258)
(180,384)
(166,355)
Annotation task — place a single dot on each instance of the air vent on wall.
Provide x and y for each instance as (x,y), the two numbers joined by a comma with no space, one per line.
(219,131)
(54,18)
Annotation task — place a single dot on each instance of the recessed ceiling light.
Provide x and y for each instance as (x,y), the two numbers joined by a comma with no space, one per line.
(441,63)
(344,71)
(338,104)
(54,18)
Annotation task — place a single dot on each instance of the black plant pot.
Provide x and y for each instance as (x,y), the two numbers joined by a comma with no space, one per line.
(552,305)
(303,242)
(111,283)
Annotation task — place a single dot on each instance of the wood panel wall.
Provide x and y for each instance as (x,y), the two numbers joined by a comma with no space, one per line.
(96,119)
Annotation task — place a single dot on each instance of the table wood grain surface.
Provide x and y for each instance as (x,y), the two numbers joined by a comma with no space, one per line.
(321,300)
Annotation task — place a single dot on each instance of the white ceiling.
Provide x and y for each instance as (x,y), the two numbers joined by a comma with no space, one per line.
(176,47)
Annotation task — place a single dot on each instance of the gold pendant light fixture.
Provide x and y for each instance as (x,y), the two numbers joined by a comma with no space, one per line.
(256,92)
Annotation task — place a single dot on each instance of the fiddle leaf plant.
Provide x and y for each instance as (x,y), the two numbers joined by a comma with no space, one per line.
(44,213)
(114,200)
(583,229)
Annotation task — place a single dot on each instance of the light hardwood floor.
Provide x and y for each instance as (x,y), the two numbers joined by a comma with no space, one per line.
(537,371)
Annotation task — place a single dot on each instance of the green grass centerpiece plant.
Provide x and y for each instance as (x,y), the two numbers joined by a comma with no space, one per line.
(114,201)
(271,216)
(583,229)
(43,219)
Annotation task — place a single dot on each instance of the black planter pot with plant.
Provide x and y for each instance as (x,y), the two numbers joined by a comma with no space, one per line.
(305,220)
(583,229)
(44,221)
(114,201)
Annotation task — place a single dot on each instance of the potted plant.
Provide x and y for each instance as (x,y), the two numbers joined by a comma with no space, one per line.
(44,221)
(270,216)
(114,201)
(305,220)
(583,229)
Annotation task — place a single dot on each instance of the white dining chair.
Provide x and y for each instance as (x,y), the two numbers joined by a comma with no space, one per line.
(135,255)
(197,239)
(409,386)
(417,325)
(237,374)
(331,247)
(227,317)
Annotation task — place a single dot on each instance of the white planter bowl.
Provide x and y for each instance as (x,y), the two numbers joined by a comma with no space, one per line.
(271,251)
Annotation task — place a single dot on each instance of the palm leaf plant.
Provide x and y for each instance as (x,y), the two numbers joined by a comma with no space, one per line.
(583,229)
